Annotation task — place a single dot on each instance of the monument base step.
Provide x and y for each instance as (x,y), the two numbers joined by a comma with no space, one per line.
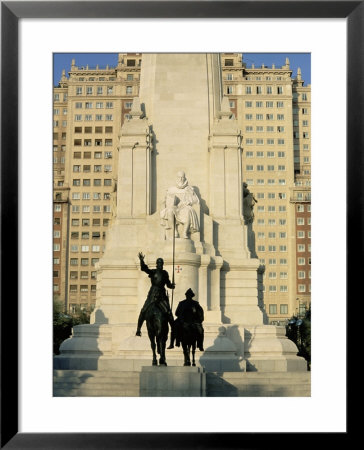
(258,384)
(160,381)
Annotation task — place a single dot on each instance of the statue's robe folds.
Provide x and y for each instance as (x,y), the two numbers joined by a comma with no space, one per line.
(180,201)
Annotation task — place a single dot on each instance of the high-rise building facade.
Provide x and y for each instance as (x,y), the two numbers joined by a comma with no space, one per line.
(90,106)
(273,112)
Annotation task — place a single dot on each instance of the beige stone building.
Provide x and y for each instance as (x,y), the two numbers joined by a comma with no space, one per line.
(89,108)
(273,112)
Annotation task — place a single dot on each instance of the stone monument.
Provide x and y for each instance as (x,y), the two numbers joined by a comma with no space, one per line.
(181,128)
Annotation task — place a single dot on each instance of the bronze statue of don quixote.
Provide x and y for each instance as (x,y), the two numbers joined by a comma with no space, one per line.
(186,330)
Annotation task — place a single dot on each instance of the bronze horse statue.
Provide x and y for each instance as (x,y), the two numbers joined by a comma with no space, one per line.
(189,339)
(156,310)
(157,326)
(187,329)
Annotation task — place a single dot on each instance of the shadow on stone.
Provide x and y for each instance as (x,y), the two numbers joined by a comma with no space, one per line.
(216,386)
(221,356)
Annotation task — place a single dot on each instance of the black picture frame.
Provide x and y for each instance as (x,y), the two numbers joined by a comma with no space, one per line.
(11,12)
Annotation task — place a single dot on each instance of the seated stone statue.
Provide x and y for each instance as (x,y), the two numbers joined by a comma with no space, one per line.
(178,207)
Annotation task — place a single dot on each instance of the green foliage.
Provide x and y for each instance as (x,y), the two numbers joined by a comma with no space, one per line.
(63,323)
(299,331)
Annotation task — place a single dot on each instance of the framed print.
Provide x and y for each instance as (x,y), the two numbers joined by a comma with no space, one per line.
(39,421)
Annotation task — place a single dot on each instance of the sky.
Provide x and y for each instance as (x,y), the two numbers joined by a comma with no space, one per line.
(302,60)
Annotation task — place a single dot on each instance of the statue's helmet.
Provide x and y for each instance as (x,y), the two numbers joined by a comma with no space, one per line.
(160,260)
(189,293)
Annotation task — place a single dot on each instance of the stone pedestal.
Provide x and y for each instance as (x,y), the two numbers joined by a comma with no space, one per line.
(163,381)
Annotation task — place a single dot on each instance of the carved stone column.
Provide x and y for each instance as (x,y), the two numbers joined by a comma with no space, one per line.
(134,173)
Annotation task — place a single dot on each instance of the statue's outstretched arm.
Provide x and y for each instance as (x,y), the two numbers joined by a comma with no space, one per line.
(143,266)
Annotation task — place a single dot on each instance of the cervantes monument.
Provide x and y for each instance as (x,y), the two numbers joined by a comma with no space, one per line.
(180,155)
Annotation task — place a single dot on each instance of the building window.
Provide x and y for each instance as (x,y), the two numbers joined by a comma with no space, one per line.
(301,288)
(301,261)
(272,307)
(283,309)
(248,90)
